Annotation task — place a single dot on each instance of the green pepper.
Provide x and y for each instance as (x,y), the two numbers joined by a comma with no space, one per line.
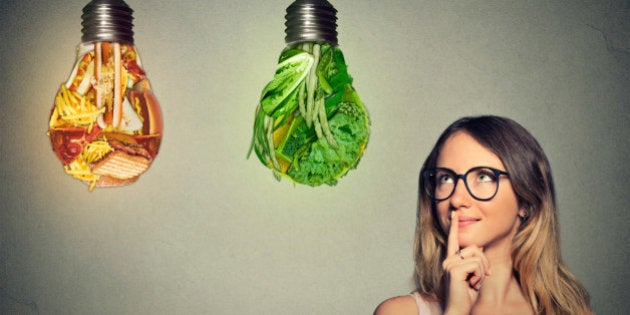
(341,76)
(299,134)
(323,68)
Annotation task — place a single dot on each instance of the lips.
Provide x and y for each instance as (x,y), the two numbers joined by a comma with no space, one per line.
(466,221)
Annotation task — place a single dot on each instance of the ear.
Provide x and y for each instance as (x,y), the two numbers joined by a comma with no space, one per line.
(524,213)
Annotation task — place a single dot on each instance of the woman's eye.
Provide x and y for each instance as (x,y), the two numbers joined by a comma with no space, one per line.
(485,177)
(445,179)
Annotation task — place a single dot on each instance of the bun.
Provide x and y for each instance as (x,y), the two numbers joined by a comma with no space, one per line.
(155,115)
(106,181)
(149,111)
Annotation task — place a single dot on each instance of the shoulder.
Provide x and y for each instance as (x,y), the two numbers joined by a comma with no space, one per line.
(400,305)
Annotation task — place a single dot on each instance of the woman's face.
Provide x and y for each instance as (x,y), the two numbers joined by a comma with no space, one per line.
(481,223)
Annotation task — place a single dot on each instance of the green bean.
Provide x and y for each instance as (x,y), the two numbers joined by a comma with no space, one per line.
(312,85)
(324,122)
(272,149)
(316,123)
(301,104)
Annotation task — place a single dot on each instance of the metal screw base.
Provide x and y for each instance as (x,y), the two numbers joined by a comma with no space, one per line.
(311,21)
(107,21)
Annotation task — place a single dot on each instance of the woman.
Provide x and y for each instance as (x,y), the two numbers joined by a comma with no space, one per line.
(488,243)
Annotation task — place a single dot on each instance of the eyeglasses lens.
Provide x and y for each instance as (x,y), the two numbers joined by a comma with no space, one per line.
(481,182)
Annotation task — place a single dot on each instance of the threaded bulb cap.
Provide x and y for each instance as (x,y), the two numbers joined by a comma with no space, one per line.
(311,21)
(107,21)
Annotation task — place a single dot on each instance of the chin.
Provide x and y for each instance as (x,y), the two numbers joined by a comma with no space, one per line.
(468,241)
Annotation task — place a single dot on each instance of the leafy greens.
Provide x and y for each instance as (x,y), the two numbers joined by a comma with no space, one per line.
(310,125)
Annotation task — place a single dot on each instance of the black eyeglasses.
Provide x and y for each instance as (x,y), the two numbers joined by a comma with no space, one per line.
(482,182)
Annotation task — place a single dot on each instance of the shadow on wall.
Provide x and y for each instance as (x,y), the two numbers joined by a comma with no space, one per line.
(12,305)
(615,30)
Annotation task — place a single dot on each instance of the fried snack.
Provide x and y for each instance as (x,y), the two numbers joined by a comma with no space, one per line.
(121,165)
(106,125)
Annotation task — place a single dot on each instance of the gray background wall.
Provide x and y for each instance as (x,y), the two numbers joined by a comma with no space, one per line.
(206,231)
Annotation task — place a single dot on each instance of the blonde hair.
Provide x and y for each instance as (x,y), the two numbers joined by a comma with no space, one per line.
(544,279)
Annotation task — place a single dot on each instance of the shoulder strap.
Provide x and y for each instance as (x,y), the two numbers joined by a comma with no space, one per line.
(423,306)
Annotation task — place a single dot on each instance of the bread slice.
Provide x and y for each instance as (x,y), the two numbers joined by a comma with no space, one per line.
(106,181)
(121,165)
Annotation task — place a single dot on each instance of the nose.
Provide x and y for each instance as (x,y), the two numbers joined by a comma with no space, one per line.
(460,197)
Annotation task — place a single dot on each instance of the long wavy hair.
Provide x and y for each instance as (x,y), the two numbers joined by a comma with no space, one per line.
(544,279)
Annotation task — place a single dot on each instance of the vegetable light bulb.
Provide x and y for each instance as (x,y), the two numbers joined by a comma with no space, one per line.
(310,125)
(106,124)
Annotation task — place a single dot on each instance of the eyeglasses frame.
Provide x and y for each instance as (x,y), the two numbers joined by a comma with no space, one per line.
(426,174)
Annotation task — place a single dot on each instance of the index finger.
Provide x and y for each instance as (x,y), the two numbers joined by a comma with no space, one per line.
(453,240)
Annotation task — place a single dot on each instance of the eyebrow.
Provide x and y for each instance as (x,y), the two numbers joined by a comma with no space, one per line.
(499,168)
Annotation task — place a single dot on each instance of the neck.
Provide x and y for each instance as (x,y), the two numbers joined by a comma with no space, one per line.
(501,286)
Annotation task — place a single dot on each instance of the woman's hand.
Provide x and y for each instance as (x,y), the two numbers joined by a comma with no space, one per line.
(465,271)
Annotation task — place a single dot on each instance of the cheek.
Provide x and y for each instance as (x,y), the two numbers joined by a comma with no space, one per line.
(506,204)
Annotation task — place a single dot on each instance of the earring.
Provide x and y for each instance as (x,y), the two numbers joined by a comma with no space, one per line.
(525,215)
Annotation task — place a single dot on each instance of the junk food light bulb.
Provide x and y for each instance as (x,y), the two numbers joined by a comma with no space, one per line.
(310,125)
(106,124)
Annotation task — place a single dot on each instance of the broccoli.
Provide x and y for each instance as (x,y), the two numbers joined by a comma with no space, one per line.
(324,164)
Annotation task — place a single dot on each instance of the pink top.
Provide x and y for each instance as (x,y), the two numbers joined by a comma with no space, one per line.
(426,307)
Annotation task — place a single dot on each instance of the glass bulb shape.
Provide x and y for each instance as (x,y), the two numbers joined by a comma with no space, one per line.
(106,124)
(310,125)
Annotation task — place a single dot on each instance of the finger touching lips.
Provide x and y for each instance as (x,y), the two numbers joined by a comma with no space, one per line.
(453,234)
